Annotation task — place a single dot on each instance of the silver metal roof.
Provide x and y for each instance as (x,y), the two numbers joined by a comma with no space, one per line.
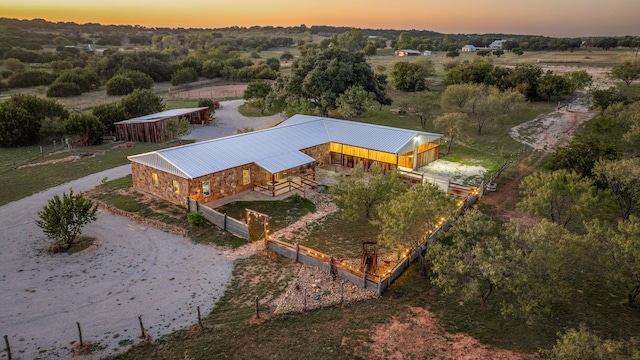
(161,115)
(278,148)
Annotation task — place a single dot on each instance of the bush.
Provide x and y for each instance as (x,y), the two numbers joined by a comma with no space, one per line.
(30,78)
(63,89)
(183,76)
(139,79)
(119,85)
(196,218)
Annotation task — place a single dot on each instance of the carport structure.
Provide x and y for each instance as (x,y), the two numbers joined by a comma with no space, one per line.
(153,127)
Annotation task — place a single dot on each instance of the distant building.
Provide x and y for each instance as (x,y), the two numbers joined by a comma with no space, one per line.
(405,52)
(468,48)
(496,45)
(427,53)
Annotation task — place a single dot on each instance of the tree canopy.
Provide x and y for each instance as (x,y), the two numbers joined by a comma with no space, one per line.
(320,77)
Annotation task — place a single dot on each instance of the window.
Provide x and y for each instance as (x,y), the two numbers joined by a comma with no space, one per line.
(176,186)
(246,177)
(154,179)
(206,188)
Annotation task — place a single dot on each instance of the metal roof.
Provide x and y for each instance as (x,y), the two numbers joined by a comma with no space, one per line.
(161,115)
(278,148)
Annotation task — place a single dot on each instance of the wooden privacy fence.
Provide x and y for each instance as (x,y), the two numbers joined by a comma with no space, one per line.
(236,227)
(373,282)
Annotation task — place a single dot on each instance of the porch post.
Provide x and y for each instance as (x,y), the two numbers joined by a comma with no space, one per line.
(273,185)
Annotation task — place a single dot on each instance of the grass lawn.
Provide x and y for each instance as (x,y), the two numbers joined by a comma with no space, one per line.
(51,170)
(282,213)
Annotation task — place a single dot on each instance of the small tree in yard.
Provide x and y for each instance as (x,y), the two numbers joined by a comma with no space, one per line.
(407,219)
(62,219)
(178,127)
(361,193)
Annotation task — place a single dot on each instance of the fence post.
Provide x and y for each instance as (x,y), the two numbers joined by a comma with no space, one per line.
(79,332)
(197,206)
(224,223)
(8,348)
(257,309)
(304,307)
(297,251)
(199,319)
(141,326)
(341,291)
(364,279)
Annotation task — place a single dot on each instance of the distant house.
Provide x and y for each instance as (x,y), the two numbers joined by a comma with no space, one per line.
(153,127)
(427,53)
(404,52)
(497,45)
(468,48)
(276,160)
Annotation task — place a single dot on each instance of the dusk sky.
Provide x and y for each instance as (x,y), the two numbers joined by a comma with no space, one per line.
(558,18)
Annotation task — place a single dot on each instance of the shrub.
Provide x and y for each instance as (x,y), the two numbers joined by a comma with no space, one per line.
(63,89)
(119,85)
(196,218)
(183,76)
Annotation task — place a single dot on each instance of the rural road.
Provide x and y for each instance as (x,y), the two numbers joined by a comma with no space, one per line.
(133,270)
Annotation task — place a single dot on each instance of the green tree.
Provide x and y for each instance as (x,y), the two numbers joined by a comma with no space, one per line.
(551,85)
(452,54)
(87,127)
(405,41)
(628,71)
(352,40)
(21,117)
(483,104)
(452,126)
(273,63)
(582,344)
(62,219)
(108,114)
(469,259)
(354,102)
(616,252)
(623,179)
(178,127)
(539,268)
(142,102)
(119,85)
(603,98)
(422,104)
(581,154)
(13,65)
(370,49)
(498,53)
(359,194)
(184,76)
(408,219)
(578,79)
(560,196)
(320,77)
(525,78)
(256,95)
(286,57)
(139,79)
(411,76)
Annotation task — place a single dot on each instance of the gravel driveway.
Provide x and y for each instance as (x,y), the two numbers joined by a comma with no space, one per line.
(133,270)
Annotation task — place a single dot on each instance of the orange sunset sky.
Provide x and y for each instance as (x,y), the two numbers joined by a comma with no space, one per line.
(571,18)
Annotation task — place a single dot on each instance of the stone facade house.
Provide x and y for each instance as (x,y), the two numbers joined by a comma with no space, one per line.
(276,160)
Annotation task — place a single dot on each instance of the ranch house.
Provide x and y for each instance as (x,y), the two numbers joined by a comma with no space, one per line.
(405,52)
(276,160)
(153,127)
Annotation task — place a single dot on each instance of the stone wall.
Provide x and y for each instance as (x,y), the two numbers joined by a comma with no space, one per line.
(143,180)
(222,184)
(319,152)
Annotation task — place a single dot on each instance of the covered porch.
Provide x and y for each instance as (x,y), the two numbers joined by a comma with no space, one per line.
(294,171)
